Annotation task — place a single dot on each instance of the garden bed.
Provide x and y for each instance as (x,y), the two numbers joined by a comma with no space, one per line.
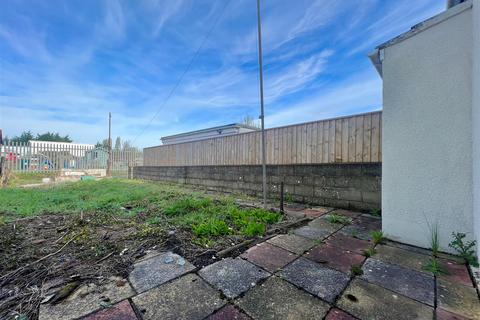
(93,230)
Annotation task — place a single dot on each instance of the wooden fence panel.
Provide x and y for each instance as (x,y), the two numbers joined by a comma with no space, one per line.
(350,139)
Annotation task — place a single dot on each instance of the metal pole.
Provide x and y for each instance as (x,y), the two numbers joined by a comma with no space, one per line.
(109,162)
(262,114)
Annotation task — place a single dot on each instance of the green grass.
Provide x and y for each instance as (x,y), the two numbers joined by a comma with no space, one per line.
(434,267)
(369,252)
(154,206)
(377,237)
(19,179)
(336,218)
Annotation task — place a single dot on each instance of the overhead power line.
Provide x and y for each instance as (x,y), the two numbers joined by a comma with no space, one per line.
(189,65)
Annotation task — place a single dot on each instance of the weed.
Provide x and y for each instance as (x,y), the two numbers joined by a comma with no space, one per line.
(369,252)
(464,249)
(186,205)
(434,242)
(335,218)
(211,228)
(376,212)
(377,236)
(288,197)
(434,267)
(253,229)
(356,270)
(204,242)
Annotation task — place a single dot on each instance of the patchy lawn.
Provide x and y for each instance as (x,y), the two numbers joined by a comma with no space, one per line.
(18,179)
(96,229)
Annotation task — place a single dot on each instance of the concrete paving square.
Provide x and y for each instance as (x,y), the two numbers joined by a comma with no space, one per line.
(337,314)
(233,276)
(346,213)
(349,243)
(323,224)
(356,231)
(320,281)
(157,270)
(229,312)
(312,233)
(445,315)
(334,257)
(188,297)
(268,256)
(87,299)
(455,272)
(458,299)
(121,311)
(369,301)
(278,299)
(404,258)
(316,212)
(370,223)
(292,243)
(413,284)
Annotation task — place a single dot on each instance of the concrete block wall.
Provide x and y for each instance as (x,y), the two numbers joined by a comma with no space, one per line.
(349,186)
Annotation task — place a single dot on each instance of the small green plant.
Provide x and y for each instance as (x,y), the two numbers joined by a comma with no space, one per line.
(211,228)
(356,270)
(434,242)
(335,218)
(376,212)
(253,229)
(288,197)
(464,249)
(377,236)
(369,252)
(434,267)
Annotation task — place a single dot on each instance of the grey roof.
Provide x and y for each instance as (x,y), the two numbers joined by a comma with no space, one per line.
(227,126)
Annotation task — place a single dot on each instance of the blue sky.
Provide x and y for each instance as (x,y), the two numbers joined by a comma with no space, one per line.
(66,64)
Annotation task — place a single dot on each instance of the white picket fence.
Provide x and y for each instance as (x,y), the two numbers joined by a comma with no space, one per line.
(55,157)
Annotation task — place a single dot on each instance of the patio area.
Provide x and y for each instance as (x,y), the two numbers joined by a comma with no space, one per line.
(329,268)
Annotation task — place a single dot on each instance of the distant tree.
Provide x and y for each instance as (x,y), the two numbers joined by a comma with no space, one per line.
(103,144)
(52,136)
(118,143)
(250,121)
(23,138)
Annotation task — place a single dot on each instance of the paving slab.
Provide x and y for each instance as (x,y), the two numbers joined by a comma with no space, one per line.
(455,272)
(278,299)
(157,270)
(188,297)
(408,247)
(120,311)
(268,256)
(356,231)
(370,223)
(349,243)
(413,284)
(312,233)
(229,312)
(320,281)
(316,212)
(346,213)
(445,315)
(87,299)
(323,224)
(404,258)
(337,314)
(233,276)
(368,301)
(292,243)
(458,299)
(334,257)
(295,213)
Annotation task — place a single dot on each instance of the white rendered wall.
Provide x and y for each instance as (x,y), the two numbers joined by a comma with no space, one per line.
(427,133)
(476,120)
